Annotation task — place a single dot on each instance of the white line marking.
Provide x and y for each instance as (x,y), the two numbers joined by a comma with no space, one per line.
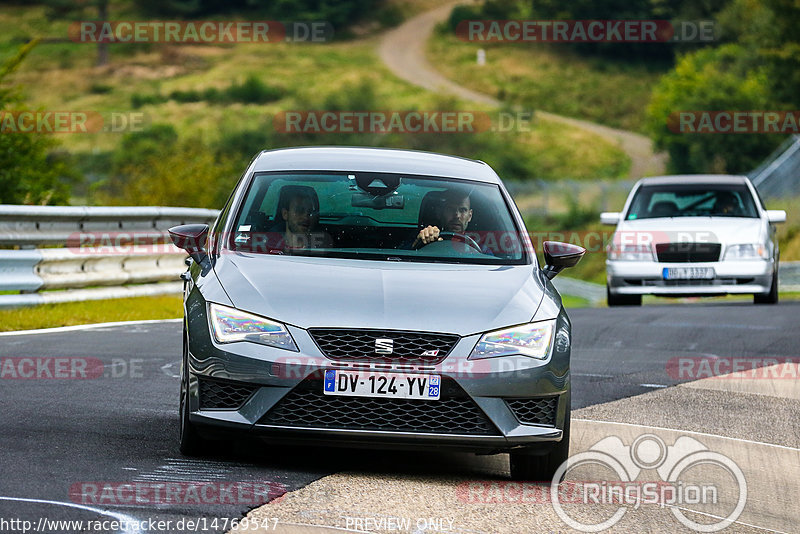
(653,386)
(126,521)
(719,517)
(689,432)
(593,375)
(84,327)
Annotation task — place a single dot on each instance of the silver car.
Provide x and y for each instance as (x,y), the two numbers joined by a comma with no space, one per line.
(315,312)
(693,235)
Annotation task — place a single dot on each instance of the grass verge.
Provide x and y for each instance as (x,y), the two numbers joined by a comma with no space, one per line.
(92,311)
(552,79)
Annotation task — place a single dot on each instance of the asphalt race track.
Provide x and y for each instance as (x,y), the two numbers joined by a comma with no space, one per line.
(56,434)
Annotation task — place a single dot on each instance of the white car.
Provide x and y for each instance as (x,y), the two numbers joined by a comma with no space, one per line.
(692,235)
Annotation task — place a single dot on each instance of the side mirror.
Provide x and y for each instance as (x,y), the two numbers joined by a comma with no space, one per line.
(610,218)
(192,239)
(559,256)
(776,216)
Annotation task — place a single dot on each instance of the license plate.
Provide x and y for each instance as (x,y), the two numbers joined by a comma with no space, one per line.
(688,273)
(369,384)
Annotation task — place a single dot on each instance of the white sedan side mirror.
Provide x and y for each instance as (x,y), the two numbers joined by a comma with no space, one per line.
(610,218)
(776,216)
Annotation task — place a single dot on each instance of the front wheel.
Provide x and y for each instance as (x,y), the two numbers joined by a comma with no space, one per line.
(190,441)
(531,467)
(622,300)
(771,297)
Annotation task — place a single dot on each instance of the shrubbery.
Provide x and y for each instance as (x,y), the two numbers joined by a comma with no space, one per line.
(251,91)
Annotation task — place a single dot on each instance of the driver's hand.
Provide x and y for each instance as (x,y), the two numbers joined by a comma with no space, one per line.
(428,235)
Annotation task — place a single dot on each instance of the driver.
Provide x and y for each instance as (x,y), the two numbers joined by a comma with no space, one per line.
(726,204)
(454,216)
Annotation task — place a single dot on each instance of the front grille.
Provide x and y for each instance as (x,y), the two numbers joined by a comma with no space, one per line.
(535,411)
(407,347)
(688,252)
(223,395)
(454,413)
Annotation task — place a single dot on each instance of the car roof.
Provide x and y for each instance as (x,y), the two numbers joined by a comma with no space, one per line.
(716,179)
(363,159)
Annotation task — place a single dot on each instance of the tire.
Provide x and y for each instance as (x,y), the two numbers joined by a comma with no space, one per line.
(768,298)
(541,467)
(191,443)
(622,300)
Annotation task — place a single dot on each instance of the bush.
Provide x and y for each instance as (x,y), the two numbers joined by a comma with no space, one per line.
(252,91)
(138,100)
(155,167)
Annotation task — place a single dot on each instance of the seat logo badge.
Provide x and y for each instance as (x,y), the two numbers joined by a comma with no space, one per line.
(434,352)
(384,346)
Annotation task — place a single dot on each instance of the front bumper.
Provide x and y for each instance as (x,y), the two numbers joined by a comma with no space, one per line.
(273,374)
(731,277)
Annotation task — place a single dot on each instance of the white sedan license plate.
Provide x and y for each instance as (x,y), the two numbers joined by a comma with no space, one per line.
(688,273)
(371,384)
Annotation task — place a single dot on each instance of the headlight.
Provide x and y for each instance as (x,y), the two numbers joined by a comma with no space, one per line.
(630,252)
(229,324)
(532,340)
(749,251)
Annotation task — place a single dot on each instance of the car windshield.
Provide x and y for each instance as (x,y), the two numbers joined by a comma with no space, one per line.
(376,216)
(696,200)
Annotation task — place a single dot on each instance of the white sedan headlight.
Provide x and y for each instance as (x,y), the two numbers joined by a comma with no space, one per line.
(749,251)
(230,324)
(532,340)
(624,252)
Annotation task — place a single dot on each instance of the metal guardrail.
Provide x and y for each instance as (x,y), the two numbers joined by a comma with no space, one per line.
(779,174)
(126,248)
(59,225)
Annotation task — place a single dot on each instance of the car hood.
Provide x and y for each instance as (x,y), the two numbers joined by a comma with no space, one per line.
(725,230)
(332,292)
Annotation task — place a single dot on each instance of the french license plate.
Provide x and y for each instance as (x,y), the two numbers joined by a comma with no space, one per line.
(371,384)
(688,273)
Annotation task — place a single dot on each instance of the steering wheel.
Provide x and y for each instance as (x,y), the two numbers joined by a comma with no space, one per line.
(455,235)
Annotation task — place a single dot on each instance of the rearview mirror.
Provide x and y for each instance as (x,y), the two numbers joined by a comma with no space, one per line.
(776,216)
(559,256)
(192,239)
(610,218)
(366,200)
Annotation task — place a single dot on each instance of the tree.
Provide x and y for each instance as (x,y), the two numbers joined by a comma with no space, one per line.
(713,79)
(31,172)
(80,9)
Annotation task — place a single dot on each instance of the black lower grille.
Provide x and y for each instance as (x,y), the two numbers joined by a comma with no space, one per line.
(534,411)
(453,413)
(223,395)
(688,252)
(392,345)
